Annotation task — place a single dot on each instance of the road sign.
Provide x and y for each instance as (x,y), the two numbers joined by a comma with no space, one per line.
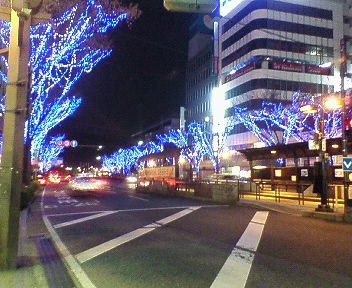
(74,143)
(347,164)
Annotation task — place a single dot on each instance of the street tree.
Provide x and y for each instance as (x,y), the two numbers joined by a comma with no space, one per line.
(72,43)
(279,123)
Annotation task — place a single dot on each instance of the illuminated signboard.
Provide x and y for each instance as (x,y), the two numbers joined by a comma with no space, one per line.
(226,6)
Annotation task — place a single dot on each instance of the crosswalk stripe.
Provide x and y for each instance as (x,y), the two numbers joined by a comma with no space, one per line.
(72,222)
(235,271)
(109,245)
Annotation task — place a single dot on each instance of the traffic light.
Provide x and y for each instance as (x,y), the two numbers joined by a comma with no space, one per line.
(348,132)
(348,123)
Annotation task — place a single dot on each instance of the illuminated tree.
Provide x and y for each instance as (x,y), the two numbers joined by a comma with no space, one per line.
(50,152)
(125,160)
(70,44)
(195,143)
(200,146)
(276,123)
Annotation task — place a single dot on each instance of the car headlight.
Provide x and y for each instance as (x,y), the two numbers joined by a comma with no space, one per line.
(131,179)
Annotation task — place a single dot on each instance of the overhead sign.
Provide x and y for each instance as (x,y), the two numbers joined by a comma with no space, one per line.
(347,164)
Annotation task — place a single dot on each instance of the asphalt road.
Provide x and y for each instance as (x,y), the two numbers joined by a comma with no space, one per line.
(122,239)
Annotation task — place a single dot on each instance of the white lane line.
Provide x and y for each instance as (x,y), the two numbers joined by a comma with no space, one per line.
(236,269)
(139,198)
(137,209)
(69,260)
(109,245)
(72,222)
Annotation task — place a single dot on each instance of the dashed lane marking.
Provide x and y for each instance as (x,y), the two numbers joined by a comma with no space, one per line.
(109,245)
(139,198)
(236,269)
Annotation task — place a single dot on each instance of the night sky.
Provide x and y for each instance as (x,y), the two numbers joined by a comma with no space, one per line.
(141,83)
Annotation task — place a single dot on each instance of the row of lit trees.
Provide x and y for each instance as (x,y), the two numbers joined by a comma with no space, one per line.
(272,124)
(194,144)
(277,123)
(70,44)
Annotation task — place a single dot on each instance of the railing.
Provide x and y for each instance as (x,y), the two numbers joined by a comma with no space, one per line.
(279,191)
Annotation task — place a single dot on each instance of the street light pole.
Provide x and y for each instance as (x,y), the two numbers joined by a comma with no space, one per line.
(11,168)
(324,206)
(13,139)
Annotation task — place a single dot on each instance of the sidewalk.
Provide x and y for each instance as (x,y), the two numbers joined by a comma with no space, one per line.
(307,210)
(39,265)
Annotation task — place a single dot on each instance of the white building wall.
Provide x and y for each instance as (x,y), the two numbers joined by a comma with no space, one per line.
(338,8)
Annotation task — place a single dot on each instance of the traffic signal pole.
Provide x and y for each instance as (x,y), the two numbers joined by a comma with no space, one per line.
(13,139)
(347,201)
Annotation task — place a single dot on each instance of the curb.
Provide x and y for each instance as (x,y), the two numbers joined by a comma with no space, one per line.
(33,274)
(333,217)
(263,206)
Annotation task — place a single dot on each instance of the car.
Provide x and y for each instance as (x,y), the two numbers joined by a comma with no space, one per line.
(89,185)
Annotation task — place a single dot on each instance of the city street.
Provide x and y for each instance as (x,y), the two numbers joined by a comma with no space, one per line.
(118,238)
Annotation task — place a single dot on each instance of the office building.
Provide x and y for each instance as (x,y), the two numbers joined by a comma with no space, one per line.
(268,49)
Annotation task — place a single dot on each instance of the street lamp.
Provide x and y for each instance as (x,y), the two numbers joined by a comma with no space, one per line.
(331,103)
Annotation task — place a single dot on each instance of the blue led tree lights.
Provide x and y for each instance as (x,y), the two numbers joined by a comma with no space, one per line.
(195,143)
(62,50)
(276,123)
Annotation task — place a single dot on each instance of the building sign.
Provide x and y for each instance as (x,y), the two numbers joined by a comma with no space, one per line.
(278,173)
(339,173)
(304,173)
(226,6)
(157,172)
(285,66)
(291,48)
(239,72)
(313,69)
(347,164)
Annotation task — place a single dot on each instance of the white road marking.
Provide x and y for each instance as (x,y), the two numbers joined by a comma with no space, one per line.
(109,245)
(138,209)
(139,198)
(69,260)
(72,222)
(236,269)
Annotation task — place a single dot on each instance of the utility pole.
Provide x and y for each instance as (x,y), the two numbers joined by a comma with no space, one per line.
(14,121)
(343,70)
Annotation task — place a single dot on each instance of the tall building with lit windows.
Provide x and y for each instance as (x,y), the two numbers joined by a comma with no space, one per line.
(268,49)
(200,76)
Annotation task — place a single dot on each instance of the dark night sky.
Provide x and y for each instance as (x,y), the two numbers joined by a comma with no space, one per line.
(142,82)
